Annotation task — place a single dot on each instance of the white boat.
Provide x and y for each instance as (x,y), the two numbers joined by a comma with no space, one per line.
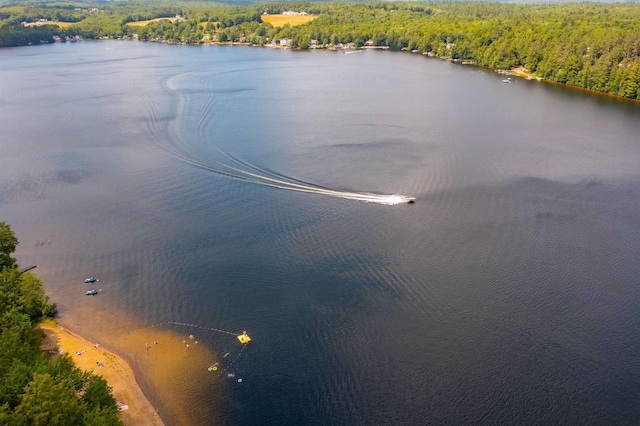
(399,199)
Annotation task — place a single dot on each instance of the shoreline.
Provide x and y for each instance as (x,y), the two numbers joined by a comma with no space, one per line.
(170,373)
(115,370)
(518,71)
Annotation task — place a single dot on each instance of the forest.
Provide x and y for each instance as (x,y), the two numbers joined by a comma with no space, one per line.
(590,45)
(33,389)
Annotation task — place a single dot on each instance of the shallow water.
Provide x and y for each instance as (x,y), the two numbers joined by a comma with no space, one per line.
(508,293)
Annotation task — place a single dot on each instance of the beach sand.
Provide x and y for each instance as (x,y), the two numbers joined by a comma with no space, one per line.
(116,372)
(522,72)
(174,374)
(163,383)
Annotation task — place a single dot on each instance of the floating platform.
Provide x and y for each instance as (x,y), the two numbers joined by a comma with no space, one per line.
(244,338)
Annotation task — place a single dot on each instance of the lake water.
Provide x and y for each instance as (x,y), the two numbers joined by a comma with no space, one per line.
(214,186)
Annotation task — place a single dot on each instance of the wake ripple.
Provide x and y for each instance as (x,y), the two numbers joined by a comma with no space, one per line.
(215,160)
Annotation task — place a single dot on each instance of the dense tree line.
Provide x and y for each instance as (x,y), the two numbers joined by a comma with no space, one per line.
(16,36)
(34,390)
(590,45)
(596,46)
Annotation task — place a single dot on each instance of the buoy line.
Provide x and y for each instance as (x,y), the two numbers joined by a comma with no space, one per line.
(231,363)
(216,367)
(205,328)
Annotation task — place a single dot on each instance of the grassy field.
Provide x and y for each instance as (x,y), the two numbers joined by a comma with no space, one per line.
(143,23)
(203,25)
(281,20)
(58,23)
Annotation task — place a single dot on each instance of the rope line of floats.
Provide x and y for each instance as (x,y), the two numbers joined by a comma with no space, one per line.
(243,338)
(206,328)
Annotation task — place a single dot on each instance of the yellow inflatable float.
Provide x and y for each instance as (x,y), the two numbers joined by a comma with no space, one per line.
(244,338)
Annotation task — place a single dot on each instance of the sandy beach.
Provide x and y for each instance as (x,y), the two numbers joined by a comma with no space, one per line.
(158,381)
(114,370)
(524,73)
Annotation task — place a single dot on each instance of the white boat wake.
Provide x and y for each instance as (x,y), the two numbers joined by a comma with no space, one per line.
(258,176)
(208,156)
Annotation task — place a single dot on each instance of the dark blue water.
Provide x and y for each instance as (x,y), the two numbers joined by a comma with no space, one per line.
(214,186)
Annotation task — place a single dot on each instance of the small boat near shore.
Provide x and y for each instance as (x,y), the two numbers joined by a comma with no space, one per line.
(28,268)
(91,280)
(91,292)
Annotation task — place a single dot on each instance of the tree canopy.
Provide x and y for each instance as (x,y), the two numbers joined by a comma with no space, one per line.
(8,244)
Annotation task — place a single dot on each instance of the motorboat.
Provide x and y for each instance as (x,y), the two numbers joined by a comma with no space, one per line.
(91,280)
(91,292)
